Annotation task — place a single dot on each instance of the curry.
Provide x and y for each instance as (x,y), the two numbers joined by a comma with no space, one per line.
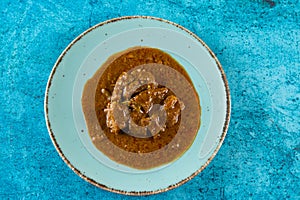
(141,108)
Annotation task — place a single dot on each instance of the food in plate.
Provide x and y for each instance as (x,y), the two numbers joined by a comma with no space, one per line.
(141,108)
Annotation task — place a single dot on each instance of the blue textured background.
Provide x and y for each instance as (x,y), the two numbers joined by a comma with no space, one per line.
(258,44)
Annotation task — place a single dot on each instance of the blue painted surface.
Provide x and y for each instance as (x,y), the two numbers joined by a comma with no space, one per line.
(258,44)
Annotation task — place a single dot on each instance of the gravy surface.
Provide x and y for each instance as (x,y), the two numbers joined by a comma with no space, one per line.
(141,108)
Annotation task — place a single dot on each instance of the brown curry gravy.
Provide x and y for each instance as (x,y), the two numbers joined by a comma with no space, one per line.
(153,150)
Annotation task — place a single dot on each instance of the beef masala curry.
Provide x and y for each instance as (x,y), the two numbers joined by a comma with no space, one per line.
(141,108)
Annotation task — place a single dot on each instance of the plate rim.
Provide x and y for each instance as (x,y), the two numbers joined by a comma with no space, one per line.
(137,193)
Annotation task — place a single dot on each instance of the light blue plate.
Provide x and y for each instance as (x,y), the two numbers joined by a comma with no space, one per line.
(82,58)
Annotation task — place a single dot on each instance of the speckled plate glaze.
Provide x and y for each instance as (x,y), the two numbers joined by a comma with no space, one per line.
(80,60)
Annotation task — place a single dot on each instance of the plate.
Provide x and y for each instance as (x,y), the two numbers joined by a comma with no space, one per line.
(78,63)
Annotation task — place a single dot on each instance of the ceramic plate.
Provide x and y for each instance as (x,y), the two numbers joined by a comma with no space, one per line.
(81,59)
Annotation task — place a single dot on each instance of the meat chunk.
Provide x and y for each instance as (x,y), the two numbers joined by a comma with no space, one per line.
(173,108)
(158,120)
(140,106)
(135,80)
(147,98)
(117,116)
